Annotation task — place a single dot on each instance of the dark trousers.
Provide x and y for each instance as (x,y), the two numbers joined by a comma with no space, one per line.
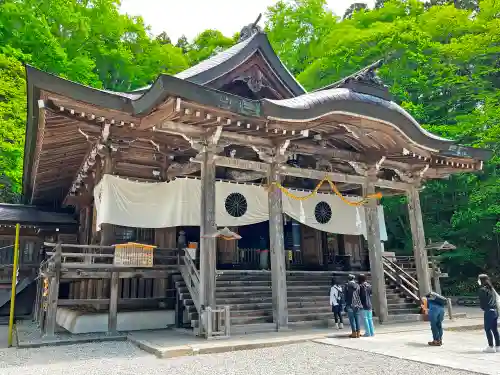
(337,313)
(436,317)
(491,327)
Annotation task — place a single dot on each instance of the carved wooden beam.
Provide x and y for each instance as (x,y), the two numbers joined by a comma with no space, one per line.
(190,133)
(244,176)
(340,177)
(248,165)
(178,169)
(263,168)
(89,160)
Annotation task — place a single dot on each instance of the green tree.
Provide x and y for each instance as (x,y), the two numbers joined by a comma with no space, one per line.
(354,7)
(295,27)
(163,38)
(12,118)
(207,44)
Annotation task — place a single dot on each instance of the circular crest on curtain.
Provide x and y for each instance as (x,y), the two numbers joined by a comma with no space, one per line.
(323,212)
(236,205)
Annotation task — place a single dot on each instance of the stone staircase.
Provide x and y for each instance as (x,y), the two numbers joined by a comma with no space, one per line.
(249,295)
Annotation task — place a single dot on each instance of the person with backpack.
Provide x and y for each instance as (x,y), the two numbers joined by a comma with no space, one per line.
(336,302)
(489,304)
(353,306)
(436,304)
(365,294)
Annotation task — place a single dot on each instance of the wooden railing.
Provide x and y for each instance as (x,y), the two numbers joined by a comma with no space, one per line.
(191,277)
(90,268)
(403,279)
(211,322)
(247,259)
(217,322)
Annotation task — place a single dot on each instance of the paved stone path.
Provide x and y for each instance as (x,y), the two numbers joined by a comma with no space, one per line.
(461,350)
(122,358)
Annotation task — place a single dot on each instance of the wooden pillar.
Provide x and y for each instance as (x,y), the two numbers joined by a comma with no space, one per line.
(277,247)
(418,239)
(375,254)
(107,230)
(113,302)
(208,226)
(50,326)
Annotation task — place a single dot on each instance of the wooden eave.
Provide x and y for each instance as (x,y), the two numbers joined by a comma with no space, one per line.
(336,125)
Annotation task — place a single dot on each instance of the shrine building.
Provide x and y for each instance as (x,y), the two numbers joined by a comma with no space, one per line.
(235,141)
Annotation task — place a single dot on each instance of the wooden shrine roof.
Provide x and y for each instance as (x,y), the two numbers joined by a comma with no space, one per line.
(351,122)
(23,214)
(207,72)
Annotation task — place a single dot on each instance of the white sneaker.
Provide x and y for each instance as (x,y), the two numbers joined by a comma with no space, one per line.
(341,325)
(337,325)
(489,349)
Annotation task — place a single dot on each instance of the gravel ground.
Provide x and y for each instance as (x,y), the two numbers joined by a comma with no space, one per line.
(123,358)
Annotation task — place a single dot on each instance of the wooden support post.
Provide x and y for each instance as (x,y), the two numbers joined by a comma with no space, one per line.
(113,302)
(277,247)
(50,327)
(107,230)
(418,239)
(375,254)
(208,226)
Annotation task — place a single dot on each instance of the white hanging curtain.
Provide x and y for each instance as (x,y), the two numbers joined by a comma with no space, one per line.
(325,212)
(127,203)
(176,203)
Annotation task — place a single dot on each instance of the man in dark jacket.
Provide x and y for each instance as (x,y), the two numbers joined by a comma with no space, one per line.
(353,306)
(488,303)
(365,294)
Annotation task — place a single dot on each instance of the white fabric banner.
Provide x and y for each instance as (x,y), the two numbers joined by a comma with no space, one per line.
(177,203)
(325,212)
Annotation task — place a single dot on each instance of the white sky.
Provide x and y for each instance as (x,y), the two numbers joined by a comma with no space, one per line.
(191,17)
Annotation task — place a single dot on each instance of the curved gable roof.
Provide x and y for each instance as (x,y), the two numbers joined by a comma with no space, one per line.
(224,62)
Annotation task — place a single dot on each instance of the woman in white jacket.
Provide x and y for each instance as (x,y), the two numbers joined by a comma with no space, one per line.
(336,302)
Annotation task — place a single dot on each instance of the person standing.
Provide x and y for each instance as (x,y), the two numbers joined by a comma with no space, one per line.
(353,306)
(336,302)
(365,294)
(436,304)
(488,303)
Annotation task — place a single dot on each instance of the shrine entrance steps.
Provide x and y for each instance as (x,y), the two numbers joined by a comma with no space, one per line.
(249,295)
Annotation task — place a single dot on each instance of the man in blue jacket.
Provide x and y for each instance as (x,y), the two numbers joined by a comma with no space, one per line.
(436,304)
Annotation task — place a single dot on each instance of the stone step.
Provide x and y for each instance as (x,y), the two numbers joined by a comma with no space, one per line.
(268,293)
(404,310)
(269,306)
(229,283)
(294,315)
(229,298)
(235,300)
(249,295)
(267,276)
(402,305)
(240,320)
(265,289)
(299,317)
